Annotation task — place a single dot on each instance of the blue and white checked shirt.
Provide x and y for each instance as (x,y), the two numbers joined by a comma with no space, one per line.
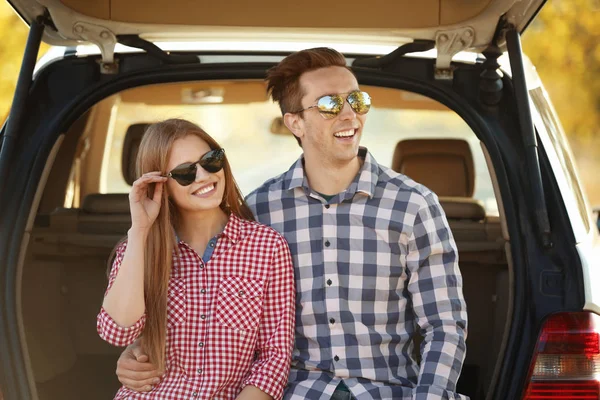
(372,266)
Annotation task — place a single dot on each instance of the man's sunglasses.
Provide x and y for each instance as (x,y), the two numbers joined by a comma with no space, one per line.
(185,174)
(331,105)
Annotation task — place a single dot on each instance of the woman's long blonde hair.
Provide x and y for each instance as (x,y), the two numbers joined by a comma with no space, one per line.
(153,155)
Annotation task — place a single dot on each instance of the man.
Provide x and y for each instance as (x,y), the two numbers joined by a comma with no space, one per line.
(375,261)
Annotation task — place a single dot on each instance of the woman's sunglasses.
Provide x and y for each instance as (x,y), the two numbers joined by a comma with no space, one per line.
(185,174)
(331,105)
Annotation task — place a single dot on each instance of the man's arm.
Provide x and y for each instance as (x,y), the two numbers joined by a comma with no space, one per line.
(435,285)
(135,371)
(251,393)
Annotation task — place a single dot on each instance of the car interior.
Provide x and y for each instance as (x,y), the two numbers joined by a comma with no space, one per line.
(84,212)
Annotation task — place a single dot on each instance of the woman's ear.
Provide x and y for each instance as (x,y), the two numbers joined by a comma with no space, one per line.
(295,124)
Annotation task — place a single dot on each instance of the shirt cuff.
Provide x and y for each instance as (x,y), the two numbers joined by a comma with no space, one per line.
(115,334)
(436,393)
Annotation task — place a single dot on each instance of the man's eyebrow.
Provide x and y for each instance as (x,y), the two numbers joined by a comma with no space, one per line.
(323,95)
(331,94)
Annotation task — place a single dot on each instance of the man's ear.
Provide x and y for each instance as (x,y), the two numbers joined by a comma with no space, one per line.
(294,124)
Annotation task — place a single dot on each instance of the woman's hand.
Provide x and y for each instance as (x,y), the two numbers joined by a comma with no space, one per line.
(144,209)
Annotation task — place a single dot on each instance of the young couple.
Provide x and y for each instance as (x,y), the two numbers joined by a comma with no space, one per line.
(346,263)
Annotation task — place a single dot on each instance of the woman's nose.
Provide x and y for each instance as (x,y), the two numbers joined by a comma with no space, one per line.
(201,173)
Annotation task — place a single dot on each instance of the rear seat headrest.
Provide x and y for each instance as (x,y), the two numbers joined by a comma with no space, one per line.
(462,208)
(131,144)
(443,165)
(109,203)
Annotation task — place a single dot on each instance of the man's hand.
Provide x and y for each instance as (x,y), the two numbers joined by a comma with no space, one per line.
(135,371)
(253,393)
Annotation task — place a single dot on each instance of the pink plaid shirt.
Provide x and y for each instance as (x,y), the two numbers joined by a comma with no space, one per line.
(230,321)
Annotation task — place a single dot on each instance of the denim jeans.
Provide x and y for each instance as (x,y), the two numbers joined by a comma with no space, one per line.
(341,395)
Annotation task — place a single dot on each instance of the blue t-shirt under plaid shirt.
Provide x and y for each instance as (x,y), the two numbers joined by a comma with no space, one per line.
(372,265)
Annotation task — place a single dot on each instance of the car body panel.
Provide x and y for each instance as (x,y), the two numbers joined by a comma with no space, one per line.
(382,22)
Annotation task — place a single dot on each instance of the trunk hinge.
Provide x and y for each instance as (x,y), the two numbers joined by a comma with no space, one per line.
(104,39)
(448,44)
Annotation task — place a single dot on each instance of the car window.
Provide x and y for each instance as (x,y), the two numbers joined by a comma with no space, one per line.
(257,154)
(555,133)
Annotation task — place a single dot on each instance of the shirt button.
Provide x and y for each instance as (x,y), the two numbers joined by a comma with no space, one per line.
(336,358)
(195,394)
(326,205)
(201,344)
(241,292)
(331,320)
(327,243)
(200,370)
(212,244)
(201,266)
(203,316)
(203,291)
(329,282)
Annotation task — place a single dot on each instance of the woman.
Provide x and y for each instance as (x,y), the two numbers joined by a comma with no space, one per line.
(210,291)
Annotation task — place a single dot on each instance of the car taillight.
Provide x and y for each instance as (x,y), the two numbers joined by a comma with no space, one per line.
(567,360)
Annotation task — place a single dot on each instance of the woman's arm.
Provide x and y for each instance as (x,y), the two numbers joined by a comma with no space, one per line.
(108,329)
(124,301)
(269,373)
(121,318)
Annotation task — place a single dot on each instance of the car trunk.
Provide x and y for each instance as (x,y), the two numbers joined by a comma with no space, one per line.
(101,22)
(56,258)
(64,271)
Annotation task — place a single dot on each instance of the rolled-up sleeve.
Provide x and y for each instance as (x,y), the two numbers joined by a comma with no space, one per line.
(115,334)
(435,286)
(270,370)
(107,328)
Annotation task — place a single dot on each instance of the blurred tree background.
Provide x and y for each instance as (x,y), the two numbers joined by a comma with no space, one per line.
(563,42)
(14,36)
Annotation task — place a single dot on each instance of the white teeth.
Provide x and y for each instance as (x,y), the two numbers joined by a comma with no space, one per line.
(205,189)
(347,133)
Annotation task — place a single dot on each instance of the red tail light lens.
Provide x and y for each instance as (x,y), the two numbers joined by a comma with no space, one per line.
(567,360)
(589,390)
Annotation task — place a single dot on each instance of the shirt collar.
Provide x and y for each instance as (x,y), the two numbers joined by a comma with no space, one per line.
(294,177)
(368,175)
(364,182)
(233,229)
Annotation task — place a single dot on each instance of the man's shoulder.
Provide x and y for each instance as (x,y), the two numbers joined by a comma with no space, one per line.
(398,185)
(270,185)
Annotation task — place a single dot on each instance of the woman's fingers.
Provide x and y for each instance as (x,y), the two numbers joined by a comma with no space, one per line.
(140,186)
(158,189)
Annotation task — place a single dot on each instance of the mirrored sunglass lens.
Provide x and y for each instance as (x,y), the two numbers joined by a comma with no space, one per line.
(330,106)
(213,160)
(360,102)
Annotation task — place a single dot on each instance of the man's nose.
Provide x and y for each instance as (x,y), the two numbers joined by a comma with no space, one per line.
(347,111)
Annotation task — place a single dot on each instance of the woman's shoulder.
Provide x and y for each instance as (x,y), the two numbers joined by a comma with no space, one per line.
(264,231)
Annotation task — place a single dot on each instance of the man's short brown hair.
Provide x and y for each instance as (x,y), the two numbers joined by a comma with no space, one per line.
(283,80)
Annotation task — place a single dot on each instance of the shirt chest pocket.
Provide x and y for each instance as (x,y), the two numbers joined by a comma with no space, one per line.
(240,303)
(176,303)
